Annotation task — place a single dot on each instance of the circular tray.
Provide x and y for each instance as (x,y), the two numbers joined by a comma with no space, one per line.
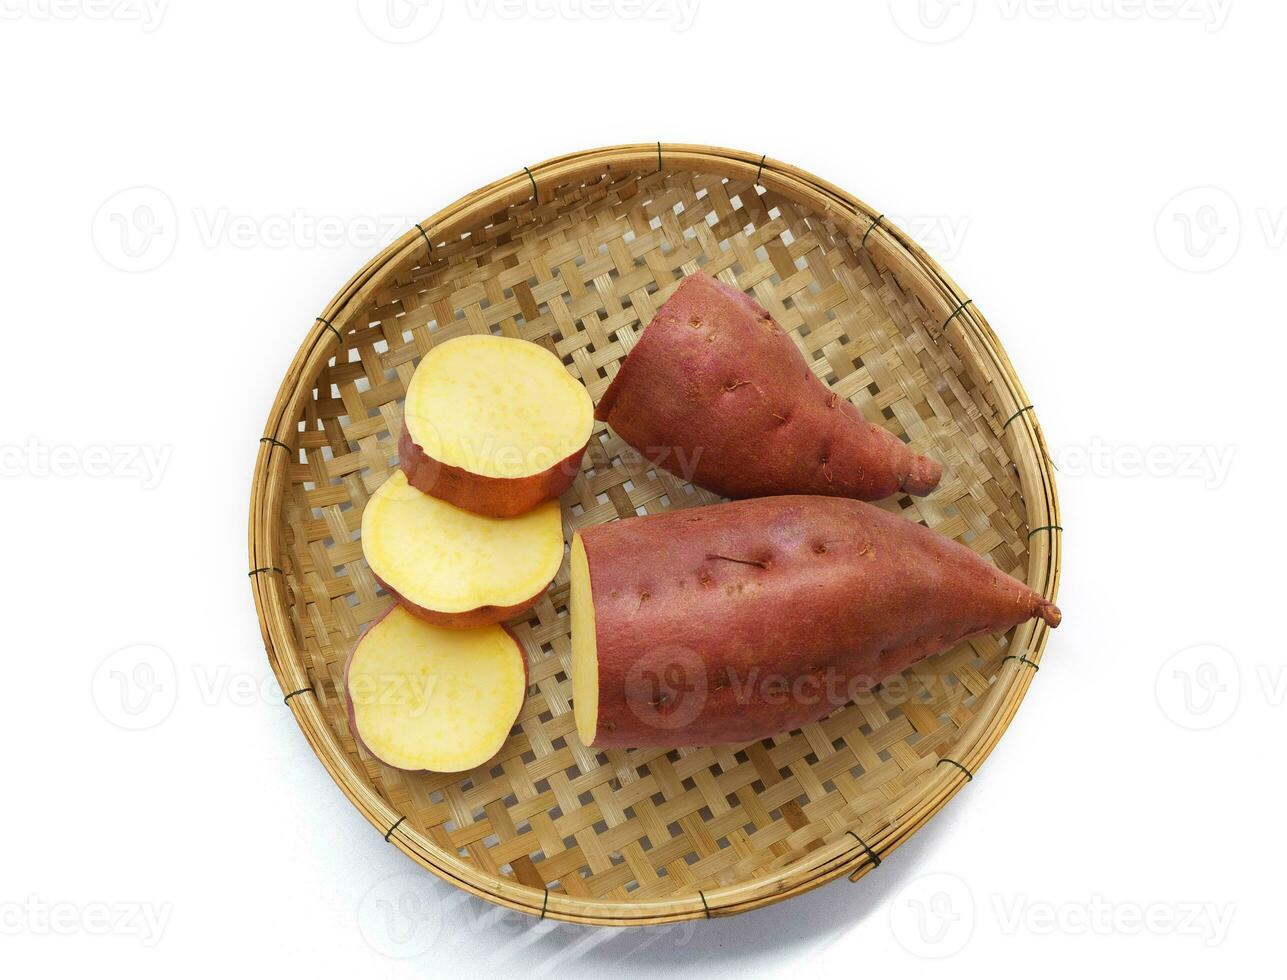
(577,253)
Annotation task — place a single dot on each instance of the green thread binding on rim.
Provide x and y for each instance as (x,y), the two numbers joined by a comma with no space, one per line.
(1023,660)
(955,313)
(1026,408)
(952,762)
(870,229)
(875,858)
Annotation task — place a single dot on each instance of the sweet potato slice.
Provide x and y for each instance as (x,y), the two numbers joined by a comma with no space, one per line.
(717,393)
(424,698)
(737,621)
(455,568)
(494,425)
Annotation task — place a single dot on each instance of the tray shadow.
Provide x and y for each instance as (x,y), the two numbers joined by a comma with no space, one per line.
(811,921)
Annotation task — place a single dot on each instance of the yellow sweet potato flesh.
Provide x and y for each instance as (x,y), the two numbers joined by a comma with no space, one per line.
(497,407)
(448,560)
(585,671)
(425,698)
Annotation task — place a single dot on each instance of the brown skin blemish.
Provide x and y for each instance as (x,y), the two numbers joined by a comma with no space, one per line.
(704,578)
(740,561)
(819,548)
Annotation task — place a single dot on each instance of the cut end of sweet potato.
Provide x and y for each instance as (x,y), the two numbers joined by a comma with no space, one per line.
(497,407)
(450,561)
(585,658)
(425,698)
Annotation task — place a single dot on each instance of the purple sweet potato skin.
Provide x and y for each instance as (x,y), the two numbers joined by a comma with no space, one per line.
(710,603)
(716,392)
(489,495)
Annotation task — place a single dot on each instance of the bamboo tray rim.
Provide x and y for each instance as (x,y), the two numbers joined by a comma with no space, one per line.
(859,850)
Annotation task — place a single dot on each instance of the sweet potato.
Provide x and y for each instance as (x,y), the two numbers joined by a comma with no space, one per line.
(716,392)
(452,567)
(737,621)
(424,698)
(494,425)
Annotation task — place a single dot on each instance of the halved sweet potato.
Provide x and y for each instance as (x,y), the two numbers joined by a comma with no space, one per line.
(737,621)
(424,698)
(494,425)
(452,567)
(719,394)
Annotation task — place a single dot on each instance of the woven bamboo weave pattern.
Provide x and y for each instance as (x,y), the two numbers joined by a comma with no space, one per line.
(580,267)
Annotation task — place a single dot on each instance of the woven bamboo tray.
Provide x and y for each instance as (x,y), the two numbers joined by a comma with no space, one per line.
(577,253)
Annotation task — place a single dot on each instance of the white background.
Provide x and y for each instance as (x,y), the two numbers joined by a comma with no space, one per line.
(1130,820)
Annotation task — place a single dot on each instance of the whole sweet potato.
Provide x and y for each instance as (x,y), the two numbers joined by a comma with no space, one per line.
(737,621)
(716,392)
